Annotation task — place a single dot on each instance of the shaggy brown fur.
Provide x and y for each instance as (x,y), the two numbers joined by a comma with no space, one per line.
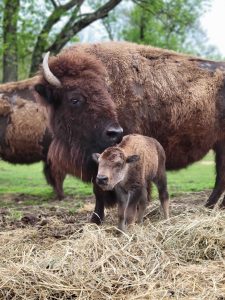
(22,89)
(128,169)
(175,98)
(24,137)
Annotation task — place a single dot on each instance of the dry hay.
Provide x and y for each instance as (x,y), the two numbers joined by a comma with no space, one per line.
(182,258)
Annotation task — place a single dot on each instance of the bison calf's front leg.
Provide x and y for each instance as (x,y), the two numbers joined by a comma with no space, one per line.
(142,203)
(127,209)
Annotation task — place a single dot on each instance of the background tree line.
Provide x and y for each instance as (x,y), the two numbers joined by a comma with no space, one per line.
(30,28)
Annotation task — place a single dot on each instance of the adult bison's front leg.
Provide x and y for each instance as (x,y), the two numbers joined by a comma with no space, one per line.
(102,198)
(55,178)
(219,187)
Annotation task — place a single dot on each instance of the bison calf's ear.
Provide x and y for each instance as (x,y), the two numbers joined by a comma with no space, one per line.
(132,158)
(44,92)
(95,157)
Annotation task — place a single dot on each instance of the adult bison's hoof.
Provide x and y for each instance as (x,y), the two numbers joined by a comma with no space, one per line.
(60,197)
(209,205)
(95,218)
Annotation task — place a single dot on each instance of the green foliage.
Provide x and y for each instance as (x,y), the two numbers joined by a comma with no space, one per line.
(43,26)
(171,24)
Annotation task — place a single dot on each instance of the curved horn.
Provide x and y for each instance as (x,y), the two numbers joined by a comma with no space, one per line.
(48,75)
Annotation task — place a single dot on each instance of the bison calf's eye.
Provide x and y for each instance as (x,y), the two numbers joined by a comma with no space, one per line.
(118,165)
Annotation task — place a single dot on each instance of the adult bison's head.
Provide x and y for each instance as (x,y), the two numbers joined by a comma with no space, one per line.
(82,113)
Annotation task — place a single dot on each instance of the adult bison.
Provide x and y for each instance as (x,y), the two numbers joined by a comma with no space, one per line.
(178,99)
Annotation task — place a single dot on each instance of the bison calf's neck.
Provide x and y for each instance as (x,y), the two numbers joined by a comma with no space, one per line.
(128,169)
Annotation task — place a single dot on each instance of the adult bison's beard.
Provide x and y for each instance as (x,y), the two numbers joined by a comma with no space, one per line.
(74,159)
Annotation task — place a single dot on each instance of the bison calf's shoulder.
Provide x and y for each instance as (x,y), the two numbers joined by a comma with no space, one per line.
(128,169)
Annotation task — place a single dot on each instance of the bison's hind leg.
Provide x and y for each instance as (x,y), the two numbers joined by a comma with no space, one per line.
(219,187)
(161,183)
(55,179)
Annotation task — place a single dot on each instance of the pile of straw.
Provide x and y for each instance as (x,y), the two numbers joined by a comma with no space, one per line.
(182,258)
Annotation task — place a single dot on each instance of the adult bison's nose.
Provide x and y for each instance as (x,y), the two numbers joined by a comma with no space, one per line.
(101,179)
(114,134)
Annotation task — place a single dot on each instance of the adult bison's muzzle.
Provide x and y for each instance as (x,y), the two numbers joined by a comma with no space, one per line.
(112,135)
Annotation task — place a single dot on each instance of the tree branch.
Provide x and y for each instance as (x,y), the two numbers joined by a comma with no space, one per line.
(67,33)
(54,3)
(71,28)
(42,41)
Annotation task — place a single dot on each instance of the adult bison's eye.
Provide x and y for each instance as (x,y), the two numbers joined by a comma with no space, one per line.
(74,101)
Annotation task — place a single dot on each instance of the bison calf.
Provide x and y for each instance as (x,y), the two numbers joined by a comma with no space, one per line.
(128,169)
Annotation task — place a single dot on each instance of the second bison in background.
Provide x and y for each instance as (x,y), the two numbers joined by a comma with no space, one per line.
(25,139)
(93,90)
(128,169)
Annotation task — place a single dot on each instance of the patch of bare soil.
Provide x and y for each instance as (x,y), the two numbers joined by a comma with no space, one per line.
(19,215)
(45,217)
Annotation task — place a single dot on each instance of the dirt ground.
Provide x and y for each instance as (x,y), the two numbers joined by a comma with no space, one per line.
(40,216)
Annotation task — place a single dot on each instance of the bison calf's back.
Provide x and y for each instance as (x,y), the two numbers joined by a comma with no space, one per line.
(128,169)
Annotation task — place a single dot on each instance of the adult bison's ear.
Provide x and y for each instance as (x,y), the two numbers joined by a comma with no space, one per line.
(95,157)
(44,93)
(132,158)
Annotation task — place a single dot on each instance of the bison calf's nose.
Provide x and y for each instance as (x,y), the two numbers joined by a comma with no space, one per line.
(114,133)
(101,180)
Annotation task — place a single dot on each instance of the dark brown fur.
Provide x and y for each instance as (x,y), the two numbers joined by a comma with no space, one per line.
(24,137)
(128,169)
(175,98)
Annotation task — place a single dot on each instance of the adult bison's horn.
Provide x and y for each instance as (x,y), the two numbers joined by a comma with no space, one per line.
(48,75)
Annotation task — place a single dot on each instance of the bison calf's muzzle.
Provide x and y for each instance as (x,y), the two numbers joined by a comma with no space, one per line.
(101,180)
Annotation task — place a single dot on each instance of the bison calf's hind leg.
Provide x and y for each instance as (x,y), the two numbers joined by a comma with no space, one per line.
(161,184)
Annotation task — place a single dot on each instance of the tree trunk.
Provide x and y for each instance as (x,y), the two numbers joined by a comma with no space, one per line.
(10,18)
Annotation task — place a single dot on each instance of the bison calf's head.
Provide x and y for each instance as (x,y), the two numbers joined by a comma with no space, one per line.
(82,113)
(113,166)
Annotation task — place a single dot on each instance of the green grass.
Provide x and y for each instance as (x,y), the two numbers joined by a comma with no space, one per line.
(29,180)
(197,177)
